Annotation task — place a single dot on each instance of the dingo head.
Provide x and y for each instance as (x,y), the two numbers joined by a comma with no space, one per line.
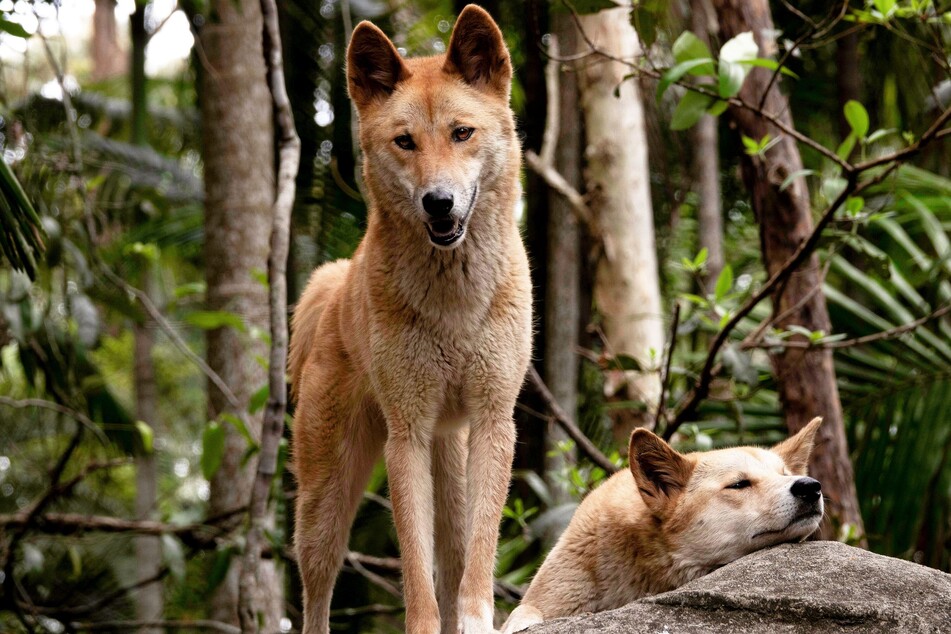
(719,505)
(435,131)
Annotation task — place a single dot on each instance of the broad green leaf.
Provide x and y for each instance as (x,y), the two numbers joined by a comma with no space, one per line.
(771,64)
(880,134)
(146,435)
(239,425)
(258,399)
(789,180)
(692,106)
(689,47)
(701,258)
(857,117)
(724,283)
(719,107)
(212,449)
(675,73)
(845,149)
(13,28)
(854,205)
(212,319)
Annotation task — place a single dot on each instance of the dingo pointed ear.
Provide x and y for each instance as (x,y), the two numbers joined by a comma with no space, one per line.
(660,472)
(477,52)
(374,66)
(795,451)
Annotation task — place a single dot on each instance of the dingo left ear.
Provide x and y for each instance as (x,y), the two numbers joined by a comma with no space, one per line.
(795,451)
(660,472)
(478,53)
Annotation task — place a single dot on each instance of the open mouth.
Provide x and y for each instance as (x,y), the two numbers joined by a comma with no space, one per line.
(445,232)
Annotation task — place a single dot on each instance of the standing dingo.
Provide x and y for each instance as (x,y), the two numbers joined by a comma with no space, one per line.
(416,347)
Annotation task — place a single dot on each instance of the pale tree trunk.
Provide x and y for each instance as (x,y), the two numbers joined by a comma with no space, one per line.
(627,292)
(706,153)
(563,288)
(149,600)
(806,379)
(107,58)
(238,154)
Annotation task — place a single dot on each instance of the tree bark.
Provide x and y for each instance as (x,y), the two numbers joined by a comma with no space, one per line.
(706,152)
(149,600)
(563,288)
(627,291)
(238,153)
(107,58)
(806,380)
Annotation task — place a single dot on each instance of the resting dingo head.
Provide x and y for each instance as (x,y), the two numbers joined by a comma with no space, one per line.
(437,131)
(720,505)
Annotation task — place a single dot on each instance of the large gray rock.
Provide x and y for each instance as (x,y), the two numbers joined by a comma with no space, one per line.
(793,588)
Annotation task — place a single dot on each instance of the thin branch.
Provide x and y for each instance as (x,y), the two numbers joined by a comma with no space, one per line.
(128,626)
(78,416)
(273,425)
(562,419)
(665,373)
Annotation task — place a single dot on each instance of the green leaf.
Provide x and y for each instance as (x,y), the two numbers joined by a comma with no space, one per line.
(845,149)
(258,399)
(789,180)
(219,569)
(701,258)
(880,134)
(692,106)
(689,47)
(239,426)
(771,64)
(13,28)
(212,319)
(146,435)
(212,449)
(675,73)
(857,117)
(854,205)
(750,146)
(724,283)
(719,107)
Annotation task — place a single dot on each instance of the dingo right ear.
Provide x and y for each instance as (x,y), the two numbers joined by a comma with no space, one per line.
(374,66)
(795,450)
(660,472)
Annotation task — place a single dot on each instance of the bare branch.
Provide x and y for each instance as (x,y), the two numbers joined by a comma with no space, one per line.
(128,626)
(665,373)
(560,417)
(78,416)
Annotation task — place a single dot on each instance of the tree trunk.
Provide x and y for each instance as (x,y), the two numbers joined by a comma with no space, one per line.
(627,291)
(149,600)
(806,379)
(107,58)
(238,153)
(706,152)
(563,289)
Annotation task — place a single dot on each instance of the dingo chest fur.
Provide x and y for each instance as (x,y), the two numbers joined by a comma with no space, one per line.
(416,348)
(671,518)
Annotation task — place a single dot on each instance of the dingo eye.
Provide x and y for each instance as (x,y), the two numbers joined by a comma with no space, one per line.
(462,133)
(405,142)
(741,484)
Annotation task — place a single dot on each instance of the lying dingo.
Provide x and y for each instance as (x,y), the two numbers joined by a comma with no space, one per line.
(672,518)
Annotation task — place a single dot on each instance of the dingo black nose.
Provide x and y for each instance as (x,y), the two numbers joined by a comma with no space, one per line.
(437,203)
(806,489)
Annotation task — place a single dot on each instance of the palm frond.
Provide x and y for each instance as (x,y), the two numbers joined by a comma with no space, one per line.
(21,232)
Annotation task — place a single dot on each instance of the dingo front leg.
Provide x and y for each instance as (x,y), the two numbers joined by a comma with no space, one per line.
(489,468)
(409,466)
(449,471)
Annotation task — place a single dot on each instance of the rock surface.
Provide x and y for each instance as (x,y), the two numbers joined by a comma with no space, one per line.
(793,588)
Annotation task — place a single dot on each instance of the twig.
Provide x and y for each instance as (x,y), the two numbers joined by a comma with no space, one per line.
(560,417)
(78,416)
(665,373)
(372,577)
(273,425)
(107,599)
(128,626)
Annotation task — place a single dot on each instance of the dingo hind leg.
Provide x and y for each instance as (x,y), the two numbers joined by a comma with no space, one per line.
(335,447)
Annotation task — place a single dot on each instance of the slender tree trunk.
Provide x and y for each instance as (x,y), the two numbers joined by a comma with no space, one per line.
(107,58)
(706,152)
(563,296)
(806,379)
(149,600)
(627,291)
(238,153)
